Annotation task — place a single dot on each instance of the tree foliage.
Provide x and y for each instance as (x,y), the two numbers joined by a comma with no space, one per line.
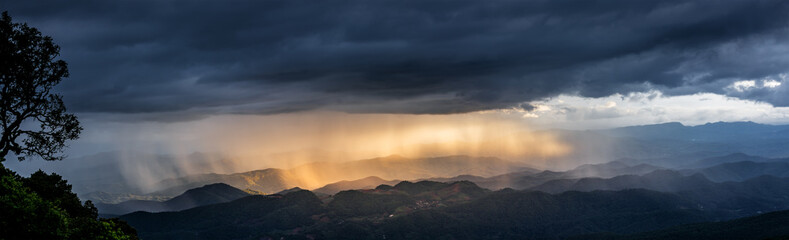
(25,215)
(43,207)
(33,118)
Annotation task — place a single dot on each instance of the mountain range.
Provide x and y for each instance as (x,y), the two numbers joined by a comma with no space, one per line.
(434,210)
(205,195)
(315,175)
(632,205)
(586,177)
(724,170)
(664,145)
(665,181)
(111,177)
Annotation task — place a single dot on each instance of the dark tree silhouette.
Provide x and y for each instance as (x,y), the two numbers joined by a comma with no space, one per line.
(34,120)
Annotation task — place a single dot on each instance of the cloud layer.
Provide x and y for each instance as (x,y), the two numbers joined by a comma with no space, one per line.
(178,60)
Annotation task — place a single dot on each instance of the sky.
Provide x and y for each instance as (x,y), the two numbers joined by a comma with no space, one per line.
(278,76)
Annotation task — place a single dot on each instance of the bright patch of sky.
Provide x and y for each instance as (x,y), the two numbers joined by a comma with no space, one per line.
(573,112)
(742,86)
(766,83)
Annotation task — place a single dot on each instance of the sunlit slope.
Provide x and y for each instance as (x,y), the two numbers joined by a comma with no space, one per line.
(364,183)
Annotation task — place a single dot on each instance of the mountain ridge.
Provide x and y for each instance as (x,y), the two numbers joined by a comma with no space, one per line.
(205,195)
(306,176)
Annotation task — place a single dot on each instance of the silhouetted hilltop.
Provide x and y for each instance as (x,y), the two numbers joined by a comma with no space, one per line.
(739,171)
(404,198)
(765,226)
(205,195)
(659,180)
(242,218)
(364,183)
(734,157)
(419,209)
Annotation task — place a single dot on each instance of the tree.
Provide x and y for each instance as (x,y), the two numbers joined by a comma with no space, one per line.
(33,118)
(43,207)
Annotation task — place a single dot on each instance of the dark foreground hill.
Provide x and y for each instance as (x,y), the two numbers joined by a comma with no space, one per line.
(205,195)
(510,214)
(427,210)
(771,225)
(244,218)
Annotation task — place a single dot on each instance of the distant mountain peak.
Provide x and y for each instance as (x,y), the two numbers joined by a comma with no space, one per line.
(363,183)
(213,186)
(373,178)
(731,158)
(731,123)
(393,157)
(291,190)
(739,154)
(673,124)
(666,124)
(611,164)
(664,174)
(205,195)
(464,183)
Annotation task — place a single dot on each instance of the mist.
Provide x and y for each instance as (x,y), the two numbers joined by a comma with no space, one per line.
(145,153)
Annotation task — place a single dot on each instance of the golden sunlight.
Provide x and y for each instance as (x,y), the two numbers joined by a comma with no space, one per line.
(240,143)
(289,140)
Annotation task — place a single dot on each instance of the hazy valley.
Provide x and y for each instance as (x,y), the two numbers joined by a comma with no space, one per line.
(486,197)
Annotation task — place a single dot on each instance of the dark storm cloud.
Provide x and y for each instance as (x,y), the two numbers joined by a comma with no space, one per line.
(264,57)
